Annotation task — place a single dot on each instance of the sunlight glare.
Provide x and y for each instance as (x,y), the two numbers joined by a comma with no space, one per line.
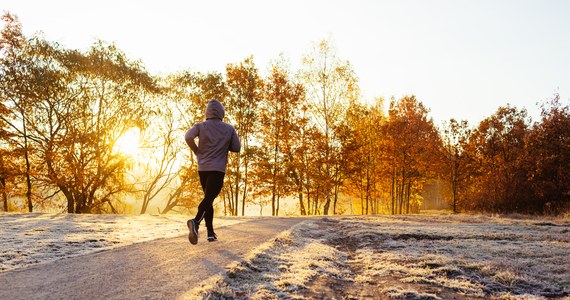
(129,143)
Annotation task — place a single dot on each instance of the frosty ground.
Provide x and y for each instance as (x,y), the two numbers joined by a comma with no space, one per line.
(345,257)
(33,238)
(405,257)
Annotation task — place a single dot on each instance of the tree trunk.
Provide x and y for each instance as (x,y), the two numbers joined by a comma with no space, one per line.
(367,201)
(361,201)
(231,194)
(408,198)
(402,191)
(327,203)
(4,194)
(277,210)
(225,205)
(70,200)
(454,188)
(393,192)
(273,208)
(309,211)
(301,205)
(335,198)
(374,201)
(367,184)
(144,205)
(235,196)
(315,205)
(273,192)
(28,168)
(244,190)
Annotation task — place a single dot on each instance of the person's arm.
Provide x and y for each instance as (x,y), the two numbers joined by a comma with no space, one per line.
(190,136)
(235,145)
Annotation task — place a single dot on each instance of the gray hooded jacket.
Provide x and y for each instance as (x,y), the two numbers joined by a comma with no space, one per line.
(215,139)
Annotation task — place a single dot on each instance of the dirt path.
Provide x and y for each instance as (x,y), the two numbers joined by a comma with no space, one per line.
(160,269)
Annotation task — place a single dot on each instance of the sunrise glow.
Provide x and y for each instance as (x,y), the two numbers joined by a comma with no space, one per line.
(129,143)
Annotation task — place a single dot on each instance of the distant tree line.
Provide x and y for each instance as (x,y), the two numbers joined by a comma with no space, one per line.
(306,135)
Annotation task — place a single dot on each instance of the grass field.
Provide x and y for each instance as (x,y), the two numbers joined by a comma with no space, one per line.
(406,257)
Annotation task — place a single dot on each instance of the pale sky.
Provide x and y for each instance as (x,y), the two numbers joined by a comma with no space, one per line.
(461,58)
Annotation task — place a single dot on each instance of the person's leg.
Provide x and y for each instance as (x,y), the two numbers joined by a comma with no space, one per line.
(213,185)
(203,180)
(209,218)
(204,183)
(192,223)
(218,180)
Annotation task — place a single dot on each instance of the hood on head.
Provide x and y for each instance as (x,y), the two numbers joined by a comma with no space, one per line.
(215,110)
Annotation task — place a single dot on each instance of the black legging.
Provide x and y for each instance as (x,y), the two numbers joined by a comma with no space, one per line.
(211,182)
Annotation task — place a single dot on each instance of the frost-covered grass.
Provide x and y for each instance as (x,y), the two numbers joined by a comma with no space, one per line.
(355,257)
(32,238)
(281,268)
(406,257)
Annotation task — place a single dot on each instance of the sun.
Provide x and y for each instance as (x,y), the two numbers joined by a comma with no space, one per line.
(129,143)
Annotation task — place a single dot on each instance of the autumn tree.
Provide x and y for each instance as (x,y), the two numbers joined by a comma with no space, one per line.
(244,86)
(279,114)
(7,167)
(413,140)
(498,146)
(548,145)
(6,157)
(362,147)
(356,134)
(17,93)
(81,161)
(301,162)
(456,168)
(331,85)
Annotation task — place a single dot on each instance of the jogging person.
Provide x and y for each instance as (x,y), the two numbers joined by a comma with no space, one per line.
(215,139)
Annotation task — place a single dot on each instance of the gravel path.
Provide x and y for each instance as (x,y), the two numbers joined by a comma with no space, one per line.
(159,269)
